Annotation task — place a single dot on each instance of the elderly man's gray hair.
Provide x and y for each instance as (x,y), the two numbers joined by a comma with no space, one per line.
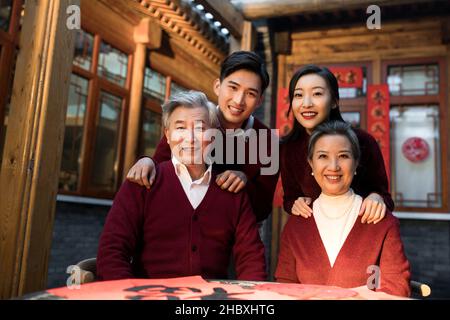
(190,99)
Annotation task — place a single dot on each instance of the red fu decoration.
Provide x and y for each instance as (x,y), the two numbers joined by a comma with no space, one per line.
(348,77)
(378,119)
(415,149)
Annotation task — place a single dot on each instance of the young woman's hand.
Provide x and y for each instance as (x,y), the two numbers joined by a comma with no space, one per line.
(143,172)
(231,180)
(302,207)
(373,209)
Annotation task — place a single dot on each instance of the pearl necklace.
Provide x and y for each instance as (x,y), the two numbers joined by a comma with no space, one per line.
(346,211)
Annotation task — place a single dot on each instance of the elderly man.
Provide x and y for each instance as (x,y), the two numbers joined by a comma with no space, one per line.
(184,225)
(240,91)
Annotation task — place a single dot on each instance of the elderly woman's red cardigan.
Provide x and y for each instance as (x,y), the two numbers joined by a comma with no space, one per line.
(303,258)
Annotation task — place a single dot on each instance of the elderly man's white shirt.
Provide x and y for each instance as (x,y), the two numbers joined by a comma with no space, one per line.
(195,190)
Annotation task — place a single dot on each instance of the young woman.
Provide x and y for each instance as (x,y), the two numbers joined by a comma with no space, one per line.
(314,99)
(334,247)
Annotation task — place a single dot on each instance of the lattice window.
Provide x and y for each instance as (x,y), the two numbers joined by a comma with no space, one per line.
(104,174)
(154,84)
(413,80)
(84,46)
(112,64)
(416,156)
(73,135)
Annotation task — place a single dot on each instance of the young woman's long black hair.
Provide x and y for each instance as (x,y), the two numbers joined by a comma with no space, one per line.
(332,82)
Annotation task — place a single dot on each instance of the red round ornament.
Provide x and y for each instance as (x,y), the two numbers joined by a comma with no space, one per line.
(415,149)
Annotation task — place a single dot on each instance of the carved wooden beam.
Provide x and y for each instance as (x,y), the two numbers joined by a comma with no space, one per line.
(178,18)
(227,14)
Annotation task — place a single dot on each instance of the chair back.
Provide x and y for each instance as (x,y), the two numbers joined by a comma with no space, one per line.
(88,270)
(420,289)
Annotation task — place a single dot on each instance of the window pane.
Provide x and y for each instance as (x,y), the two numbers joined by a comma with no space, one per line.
(104,169)
(154,84)
(350,93)
(84,44)
(112,64)
(175,88)
(5,14)
(73,135)
(150,132)
(416,165)
(413,80)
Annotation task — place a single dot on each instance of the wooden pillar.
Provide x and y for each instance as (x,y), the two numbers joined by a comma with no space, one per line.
(446,115)
(33,146)
(134,117)
(376,70)
(235,44)
(278,219)
(248,40)
(146,35)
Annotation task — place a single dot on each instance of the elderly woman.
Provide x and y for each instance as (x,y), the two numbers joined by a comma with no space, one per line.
(336,248)
(185,224)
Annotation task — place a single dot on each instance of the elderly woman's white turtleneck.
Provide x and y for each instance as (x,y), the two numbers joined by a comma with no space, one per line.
(335,217)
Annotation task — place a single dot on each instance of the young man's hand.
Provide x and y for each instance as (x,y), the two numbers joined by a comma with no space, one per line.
(302,207)
(139,173)
(373,209)
(232,181)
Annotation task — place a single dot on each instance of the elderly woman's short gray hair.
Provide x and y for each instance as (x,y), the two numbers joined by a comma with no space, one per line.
(189,99)
(335,127)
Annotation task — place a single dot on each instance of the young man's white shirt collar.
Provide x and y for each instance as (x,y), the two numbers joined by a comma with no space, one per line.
(194,190)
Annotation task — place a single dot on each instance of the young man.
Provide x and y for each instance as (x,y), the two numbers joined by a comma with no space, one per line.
(243,80)
(184,225)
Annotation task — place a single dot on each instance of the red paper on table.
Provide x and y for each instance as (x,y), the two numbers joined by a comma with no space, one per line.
(348,77)
(378,119)
(182,288)
(308,291)
(150,289)
(196,288)
(284,124)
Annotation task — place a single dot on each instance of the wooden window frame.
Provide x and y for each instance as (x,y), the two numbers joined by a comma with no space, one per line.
(439,99)
(96,85)
(355,104)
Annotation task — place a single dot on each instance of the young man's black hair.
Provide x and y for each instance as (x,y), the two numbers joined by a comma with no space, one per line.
(246,60)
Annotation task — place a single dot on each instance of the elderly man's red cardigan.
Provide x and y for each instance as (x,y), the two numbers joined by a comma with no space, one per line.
(303,257)
(164,236)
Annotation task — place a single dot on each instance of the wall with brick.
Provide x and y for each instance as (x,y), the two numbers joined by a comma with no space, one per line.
(76,232)
(427,246)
